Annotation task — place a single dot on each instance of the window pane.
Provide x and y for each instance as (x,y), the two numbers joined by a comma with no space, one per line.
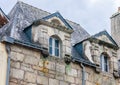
(50,42)
(57,43)
(56,52)
(106,63)
(50,46)
(50,50)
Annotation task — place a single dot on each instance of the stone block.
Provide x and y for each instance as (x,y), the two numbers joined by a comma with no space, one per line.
(78,81)
(22,82)
(28,51)
(30,84)
(13,80)
(50,75)
(17,56)
(42,80)
(16,48)
(37,68)
(26,67)
(60,68)
(68,50)
(53,81)
(31,60)
(17,73)
(64,83)
(15,64)
(72,72)
(41,63)
(89,83)
(51,65)
(37,54)
(59,76)
(30,77)
(75,84)
(69,79)
(80,74)
(12,83)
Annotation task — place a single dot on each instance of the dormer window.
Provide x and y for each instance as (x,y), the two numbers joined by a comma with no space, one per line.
(54,46)
(104,63)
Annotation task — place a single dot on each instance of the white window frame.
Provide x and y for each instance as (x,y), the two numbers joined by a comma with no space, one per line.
(53,47)
(103,63)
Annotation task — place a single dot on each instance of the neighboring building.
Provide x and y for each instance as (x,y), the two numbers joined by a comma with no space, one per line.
(40,48)
(115,28)
(3,18)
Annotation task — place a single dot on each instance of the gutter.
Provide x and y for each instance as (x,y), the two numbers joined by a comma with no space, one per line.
(83,74)
(27,44)
(8,64)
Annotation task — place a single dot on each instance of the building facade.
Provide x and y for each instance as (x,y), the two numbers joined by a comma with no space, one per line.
(40,48)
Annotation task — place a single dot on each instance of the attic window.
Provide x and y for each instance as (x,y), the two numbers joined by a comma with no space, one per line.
(104,63)
(56,21)
(54,46)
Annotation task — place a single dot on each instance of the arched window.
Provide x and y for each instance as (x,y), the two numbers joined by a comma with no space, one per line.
(54,46)
(104,62)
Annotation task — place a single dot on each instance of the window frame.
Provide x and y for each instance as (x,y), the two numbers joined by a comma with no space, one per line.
(104,62)
(53,50)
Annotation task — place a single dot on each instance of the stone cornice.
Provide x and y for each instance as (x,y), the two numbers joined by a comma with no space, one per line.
(54,25)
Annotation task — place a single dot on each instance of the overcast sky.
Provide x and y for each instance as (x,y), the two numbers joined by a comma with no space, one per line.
(92,15)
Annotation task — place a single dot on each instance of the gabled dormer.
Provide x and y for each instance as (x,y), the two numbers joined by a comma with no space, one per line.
(99,49)
(3,18)
(53,33)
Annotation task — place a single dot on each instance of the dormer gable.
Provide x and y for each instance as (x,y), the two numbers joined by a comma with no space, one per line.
(3,18)
(104,36)
(57,18)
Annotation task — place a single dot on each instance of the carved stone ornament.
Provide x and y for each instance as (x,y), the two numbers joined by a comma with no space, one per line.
(116,74)
(67,59)
(97,69)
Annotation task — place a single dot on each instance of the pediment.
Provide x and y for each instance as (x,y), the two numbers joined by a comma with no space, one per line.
(57,18)
(104,36)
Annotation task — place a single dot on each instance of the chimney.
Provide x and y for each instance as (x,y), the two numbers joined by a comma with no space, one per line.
(118,9)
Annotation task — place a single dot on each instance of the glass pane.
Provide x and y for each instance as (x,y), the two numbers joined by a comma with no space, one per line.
(105,60)
(50,50)
(56,43)
(50,42)
(56,52)
(106,63)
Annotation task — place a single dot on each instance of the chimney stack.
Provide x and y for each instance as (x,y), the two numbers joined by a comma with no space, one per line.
(118,9)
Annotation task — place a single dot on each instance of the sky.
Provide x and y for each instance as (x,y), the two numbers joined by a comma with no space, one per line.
(92,15)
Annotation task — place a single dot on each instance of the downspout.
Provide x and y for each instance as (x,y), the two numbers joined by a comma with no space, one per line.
(83,75)
(8,64)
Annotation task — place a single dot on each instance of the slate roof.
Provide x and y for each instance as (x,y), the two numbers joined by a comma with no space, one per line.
(22,15)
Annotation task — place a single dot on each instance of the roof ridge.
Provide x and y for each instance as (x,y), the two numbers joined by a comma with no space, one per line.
(21,2)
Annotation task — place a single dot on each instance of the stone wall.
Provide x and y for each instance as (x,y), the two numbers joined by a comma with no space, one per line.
(28,67)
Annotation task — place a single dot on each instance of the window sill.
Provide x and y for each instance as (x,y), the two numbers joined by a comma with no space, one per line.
(56,59)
